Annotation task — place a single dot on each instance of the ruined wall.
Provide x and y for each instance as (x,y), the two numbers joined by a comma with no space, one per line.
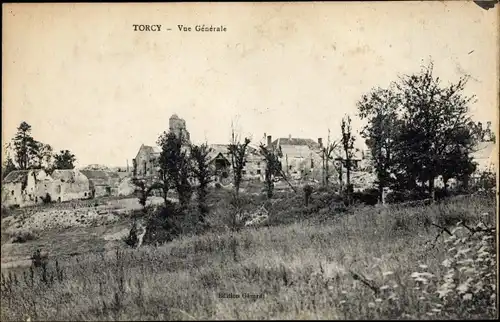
(79,188)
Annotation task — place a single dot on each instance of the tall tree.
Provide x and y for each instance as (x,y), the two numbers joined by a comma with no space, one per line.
(327,154)
(64,160)
(434,124)
(175,166)
(273,167)
(348,148)
(379,108)
(237,151)
(203,174)
(24,146)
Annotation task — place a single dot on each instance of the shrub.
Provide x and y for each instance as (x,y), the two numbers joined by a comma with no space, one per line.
(308,190)
(132,239)
(23,236)
(368,197)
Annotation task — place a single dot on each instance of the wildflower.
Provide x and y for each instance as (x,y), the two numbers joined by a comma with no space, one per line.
(446,263)
(421,298)
(384,287)
(436,310)
(467,297)
(462,288)
(371,304)
(387,273)
(378,300)
(421,279)
(443,292)
(423,266)
(342,302)
(427,274)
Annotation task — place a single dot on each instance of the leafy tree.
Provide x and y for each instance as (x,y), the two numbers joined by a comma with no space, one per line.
(203,174)
(64,160)
(145,189)
(8,165)
(348,149)
(25,147)
(175,166)
(379,108)
(434,127)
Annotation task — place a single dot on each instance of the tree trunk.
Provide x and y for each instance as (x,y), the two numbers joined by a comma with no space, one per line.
(432,191)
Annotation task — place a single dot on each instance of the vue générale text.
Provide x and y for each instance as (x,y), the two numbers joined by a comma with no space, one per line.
(182,28)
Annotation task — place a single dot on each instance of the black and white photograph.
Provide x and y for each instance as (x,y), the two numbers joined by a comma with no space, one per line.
(250,161)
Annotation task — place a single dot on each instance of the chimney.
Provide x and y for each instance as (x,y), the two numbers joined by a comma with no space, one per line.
(320,142)
(269,139)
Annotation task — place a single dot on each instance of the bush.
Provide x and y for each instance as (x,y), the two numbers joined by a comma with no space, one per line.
(23,236)
(368,197)
(132,239)
(405,195)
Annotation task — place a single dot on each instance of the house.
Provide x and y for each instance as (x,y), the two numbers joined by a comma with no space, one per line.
(30,187)
(146,162)
(220,158)
(220,161)
(103,183)
(70,185)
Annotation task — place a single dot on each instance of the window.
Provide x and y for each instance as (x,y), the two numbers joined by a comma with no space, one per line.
(312,164)
(243,172)
(290,167)
(258,164)
(12,192)
(258,171)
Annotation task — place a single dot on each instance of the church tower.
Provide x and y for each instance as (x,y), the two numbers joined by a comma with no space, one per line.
(178,127)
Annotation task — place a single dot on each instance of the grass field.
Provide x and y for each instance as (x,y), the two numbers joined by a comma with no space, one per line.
(367,263)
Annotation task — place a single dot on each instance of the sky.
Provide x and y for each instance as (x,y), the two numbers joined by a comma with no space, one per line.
(85,81)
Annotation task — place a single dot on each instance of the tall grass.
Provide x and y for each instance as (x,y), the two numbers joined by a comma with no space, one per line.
(369,263)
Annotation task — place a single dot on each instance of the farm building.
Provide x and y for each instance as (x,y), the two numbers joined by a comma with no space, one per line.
(30,187)
(103,183)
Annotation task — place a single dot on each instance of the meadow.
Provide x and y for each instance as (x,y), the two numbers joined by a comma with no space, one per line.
(433,261)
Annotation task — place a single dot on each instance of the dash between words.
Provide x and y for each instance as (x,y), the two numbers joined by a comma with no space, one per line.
(182,28)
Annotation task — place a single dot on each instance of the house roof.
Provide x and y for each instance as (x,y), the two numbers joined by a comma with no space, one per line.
(16,176)
(295,141)
(98,177)
(216,149)
(67,175)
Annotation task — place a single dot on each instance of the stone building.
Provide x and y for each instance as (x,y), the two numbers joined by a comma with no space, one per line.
(253,166)
(30,187)
(146,162)
(103,183)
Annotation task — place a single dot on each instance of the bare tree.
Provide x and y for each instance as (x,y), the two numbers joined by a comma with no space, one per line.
(327,157)
(237,151)
(348,149)
(273,167)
